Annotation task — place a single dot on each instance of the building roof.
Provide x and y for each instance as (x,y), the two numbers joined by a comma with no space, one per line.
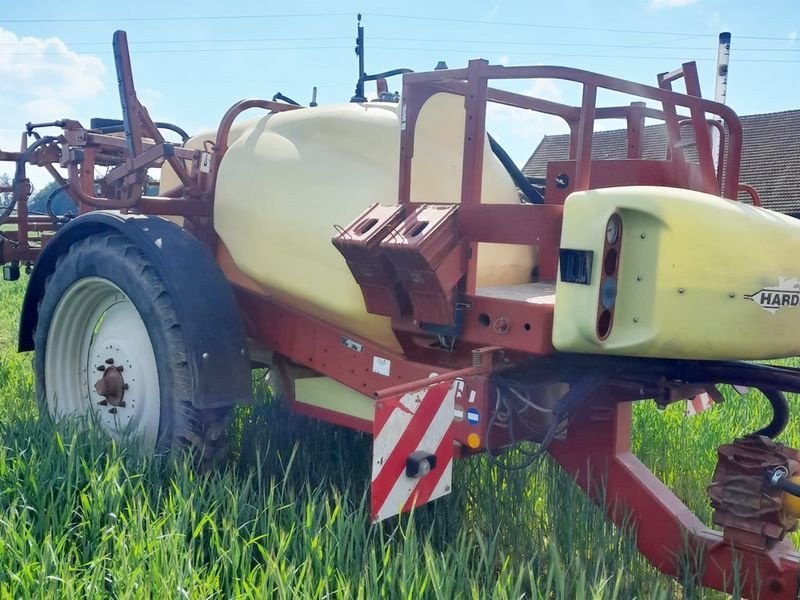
(770,155)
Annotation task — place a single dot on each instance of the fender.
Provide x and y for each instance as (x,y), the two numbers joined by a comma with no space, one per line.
(203,299)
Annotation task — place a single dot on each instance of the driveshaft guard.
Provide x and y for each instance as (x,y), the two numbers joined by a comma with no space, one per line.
(688,275)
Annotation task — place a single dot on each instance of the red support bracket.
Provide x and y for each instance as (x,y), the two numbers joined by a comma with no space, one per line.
(430,259)
(359,243)
(597,454)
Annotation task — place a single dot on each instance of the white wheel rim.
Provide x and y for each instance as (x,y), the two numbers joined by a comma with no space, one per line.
(93,322)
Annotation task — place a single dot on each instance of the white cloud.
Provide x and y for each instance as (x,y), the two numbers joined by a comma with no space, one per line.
(46,109)
(149,97)
(41,80)
(671,3)
(47,65)
(37,72)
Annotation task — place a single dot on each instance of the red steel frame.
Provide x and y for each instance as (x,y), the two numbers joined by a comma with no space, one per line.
(596,451)
(597,454)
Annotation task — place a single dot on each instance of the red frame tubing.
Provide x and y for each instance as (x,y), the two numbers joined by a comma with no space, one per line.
(597,455)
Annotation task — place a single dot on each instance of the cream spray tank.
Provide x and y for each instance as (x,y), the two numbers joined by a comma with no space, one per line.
(289,178)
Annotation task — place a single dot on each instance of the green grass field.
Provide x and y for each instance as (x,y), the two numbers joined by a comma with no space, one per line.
(287,515)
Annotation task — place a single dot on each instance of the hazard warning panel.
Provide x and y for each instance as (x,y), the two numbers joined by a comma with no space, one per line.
(412,453)
(698,404)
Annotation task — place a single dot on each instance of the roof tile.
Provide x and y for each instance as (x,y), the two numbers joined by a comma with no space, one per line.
(770,155)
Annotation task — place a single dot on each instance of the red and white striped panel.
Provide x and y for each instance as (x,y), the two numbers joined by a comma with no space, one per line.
(696,405)
(417,421)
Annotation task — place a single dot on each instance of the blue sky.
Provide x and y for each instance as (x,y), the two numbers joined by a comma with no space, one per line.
(189,67)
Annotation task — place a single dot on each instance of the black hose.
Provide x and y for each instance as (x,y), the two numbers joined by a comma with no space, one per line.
(780,413)
(285,99)
(787,486)
(779,478)
(579,390)
(49,203)
(119,127)
(385,74)
(20,175)
(533,195)
(174,128)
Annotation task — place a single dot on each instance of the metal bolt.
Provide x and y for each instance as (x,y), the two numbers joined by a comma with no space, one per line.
(103,402)
(638,278)
(731,295)
(109,361)
(681,290)
(643,236)
(113,410)
(635,319)
(501,325)
(205,355)
(125,386)
(101,368)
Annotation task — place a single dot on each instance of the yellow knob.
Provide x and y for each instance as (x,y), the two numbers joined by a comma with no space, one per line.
(791,503)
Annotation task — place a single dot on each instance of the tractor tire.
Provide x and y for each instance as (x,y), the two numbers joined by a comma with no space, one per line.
(109,346)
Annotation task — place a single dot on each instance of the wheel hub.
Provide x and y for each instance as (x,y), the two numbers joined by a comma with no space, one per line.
(95,331)
(111,385)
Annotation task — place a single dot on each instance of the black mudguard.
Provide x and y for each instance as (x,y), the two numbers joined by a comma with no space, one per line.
(204,300)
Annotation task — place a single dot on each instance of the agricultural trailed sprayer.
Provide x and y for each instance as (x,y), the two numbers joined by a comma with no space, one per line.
(401,277)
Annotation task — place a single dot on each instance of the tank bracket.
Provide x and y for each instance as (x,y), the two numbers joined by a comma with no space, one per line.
(430,259)
(359,243)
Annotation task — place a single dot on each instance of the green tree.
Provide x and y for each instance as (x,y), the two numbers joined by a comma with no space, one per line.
(5,197)
(61,202)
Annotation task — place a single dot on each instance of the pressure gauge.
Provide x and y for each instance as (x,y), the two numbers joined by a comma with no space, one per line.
(613,230)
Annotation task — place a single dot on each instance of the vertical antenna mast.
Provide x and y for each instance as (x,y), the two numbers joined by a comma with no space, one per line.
(359,96)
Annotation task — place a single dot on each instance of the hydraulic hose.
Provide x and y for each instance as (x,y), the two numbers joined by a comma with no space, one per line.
(118,128)
(386,74)
(534,196)
(788,486)
(779,478)
(286,99)
(780,413)
(19,175)
(49,205)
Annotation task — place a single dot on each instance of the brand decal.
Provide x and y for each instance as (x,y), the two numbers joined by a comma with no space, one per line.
(771,299)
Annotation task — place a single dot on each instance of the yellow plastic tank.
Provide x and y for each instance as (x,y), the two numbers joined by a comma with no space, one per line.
(289,178)
(697,276)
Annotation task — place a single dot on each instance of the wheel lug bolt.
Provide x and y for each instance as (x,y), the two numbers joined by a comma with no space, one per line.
(103,402)
(120,368)
(122,403)
(109,361)
(125,386)
(101,368)
(113,410)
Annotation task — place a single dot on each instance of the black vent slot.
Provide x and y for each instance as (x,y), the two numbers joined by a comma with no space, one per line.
(576,266)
